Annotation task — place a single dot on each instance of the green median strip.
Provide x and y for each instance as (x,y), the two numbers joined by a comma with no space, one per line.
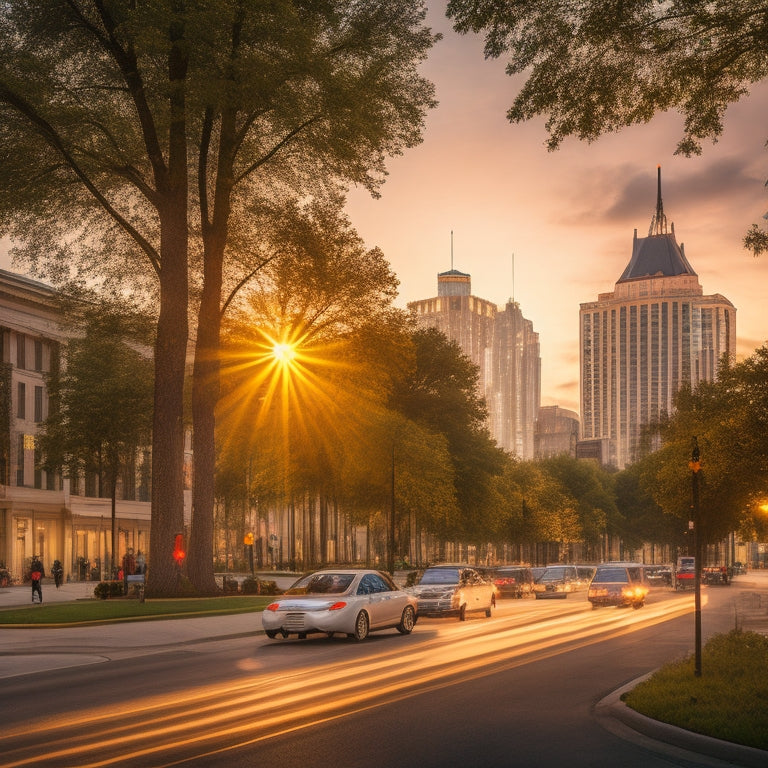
(104,611)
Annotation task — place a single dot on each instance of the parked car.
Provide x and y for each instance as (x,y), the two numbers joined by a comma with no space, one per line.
(618,585)
(512,580)
(557,581)
(349,602)
(715,574)
(659,575)
(453,590)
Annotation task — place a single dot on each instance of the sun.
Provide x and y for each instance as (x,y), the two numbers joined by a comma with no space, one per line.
(283,352)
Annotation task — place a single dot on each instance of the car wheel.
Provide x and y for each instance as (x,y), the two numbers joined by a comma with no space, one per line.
(637,605)
(361,626)
(488,611)
(271,633)
(463,613)
(407,621)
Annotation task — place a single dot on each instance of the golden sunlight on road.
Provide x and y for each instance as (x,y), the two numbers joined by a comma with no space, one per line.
(163,730)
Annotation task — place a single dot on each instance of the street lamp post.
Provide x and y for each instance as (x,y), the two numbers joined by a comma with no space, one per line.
(695,466)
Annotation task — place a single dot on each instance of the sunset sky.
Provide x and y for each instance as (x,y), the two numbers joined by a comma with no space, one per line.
(565,218)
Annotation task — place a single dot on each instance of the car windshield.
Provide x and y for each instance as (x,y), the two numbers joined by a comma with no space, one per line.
(608,575)
(322,584)
(440,576)
(553,574)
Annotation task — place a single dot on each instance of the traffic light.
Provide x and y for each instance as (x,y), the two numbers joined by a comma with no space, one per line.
(248,539)
(178,549)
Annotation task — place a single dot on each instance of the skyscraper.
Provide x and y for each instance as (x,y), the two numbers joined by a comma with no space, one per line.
(504,346)
(641,343)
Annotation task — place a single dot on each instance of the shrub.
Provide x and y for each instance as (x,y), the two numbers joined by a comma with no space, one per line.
(105,589)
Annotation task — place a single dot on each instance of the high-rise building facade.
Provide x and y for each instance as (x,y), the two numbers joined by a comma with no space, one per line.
(640,344)
(504,346)
(557,432)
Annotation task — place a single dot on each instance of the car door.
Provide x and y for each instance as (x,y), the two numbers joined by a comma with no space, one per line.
(478,590)
(383,608)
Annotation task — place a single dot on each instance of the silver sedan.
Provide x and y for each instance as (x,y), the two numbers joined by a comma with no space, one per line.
(349,602)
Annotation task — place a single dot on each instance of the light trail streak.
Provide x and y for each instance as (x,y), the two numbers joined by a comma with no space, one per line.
(229,713)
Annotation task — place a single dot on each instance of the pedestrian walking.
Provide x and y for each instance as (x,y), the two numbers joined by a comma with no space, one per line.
(36,574)
(58,573)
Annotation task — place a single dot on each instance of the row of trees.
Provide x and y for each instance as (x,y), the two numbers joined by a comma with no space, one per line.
(372,417)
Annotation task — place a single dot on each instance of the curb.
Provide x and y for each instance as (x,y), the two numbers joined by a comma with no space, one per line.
(613,708)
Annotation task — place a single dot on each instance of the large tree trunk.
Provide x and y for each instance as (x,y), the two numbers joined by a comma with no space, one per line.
(206,383)
(168,425)
(205,395)
(163,578)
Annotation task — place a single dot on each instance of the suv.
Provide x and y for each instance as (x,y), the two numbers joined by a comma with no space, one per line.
(512,580)
(618,585)
(453,590)
(557,581)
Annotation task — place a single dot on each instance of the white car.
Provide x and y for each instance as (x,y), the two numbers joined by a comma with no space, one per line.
(453,590)
(349,602)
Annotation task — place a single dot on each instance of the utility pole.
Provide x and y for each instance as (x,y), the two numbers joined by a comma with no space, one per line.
(695,466)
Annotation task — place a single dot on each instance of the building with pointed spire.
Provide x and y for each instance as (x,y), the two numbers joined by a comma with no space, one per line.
(504,346)
(640,344)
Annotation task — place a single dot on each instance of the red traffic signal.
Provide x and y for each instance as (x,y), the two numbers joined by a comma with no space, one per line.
(178,549)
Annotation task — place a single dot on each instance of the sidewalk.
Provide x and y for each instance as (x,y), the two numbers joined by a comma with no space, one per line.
(35,649)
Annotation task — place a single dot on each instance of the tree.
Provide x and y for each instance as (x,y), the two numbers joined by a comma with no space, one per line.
(728,420)
(100,401)
(594,67)
(441,394)
(591,490)
(311,350)
(139,139)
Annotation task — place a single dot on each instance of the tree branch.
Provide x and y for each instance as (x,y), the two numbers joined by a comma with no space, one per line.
(52,138)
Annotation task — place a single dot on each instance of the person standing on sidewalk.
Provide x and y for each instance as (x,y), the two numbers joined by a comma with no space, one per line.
(35,575)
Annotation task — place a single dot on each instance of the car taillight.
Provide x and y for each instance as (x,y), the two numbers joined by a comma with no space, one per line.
(337,606)
(273,607)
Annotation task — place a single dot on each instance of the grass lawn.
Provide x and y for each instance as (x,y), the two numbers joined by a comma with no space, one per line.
(103,611)
(730,699)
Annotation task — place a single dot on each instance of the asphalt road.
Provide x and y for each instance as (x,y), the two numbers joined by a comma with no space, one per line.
(525,688)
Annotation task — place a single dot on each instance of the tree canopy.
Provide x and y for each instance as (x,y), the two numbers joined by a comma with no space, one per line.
(594,67)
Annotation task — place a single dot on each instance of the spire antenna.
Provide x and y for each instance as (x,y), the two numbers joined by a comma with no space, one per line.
(659,220)
(451,250)
(513,276)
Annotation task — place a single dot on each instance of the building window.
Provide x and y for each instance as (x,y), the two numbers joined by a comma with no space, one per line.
(21,400)
(38,355)
(21,352)
(20,461)
(38,404)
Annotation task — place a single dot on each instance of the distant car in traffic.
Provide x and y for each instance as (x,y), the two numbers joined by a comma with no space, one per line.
(619,585)
(685,573)
(512,580)
(453,590)
(557,581)
(349,602)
